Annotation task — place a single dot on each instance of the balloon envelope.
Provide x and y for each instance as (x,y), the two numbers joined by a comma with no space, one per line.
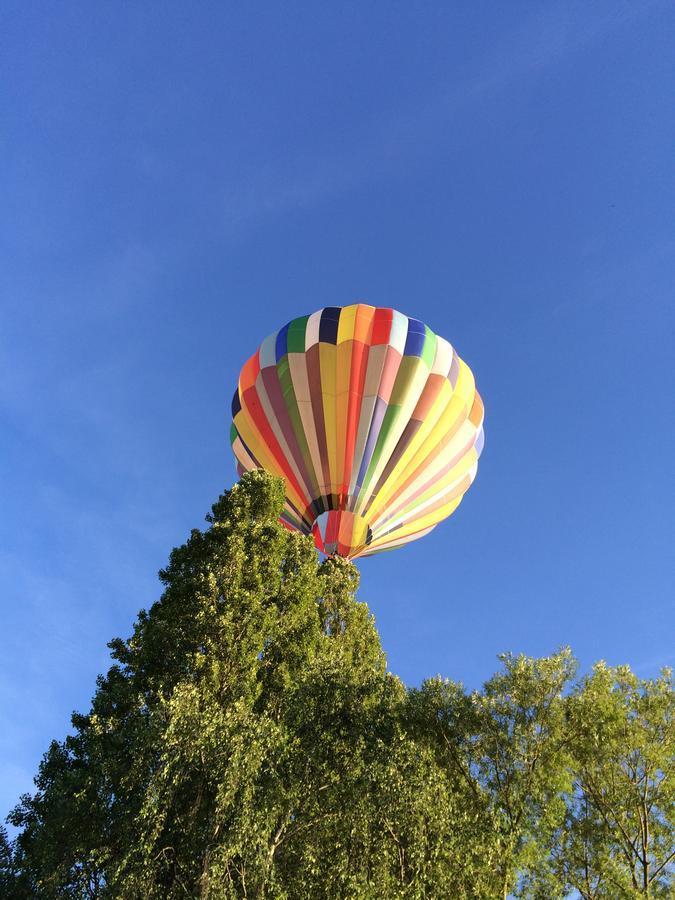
(372,419)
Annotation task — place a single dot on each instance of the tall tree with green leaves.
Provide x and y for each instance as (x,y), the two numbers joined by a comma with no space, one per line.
(249,742)
(179,781)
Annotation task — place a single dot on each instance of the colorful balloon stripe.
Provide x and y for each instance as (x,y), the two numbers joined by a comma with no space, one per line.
(373,421)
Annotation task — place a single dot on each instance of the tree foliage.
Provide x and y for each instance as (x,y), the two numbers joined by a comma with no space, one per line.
(248,741)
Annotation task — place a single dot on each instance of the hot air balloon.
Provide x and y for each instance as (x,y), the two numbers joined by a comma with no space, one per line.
(373,421)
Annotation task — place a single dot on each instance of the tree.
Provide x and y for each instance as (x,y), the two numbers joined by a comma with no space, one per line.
(249,742)
(505,751)
(618,840)
(175,780)
(246,742)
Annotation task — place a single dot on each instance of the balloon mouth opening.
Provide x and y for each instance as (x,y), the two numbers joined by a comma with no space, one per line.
(339,532)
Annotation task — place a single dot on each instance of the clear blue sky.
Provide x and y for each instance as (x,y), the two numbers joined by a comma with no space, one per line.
(178,180)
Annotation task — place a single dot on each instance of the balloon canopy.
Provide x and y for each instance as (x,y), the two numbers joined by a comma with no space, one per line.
(373,421)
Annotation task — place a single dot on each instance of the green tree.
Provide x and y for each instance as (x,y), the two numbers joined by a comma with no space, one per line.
(505,751)
(249,742)
(520,757)
(176,782)
(442,719)
(618,840)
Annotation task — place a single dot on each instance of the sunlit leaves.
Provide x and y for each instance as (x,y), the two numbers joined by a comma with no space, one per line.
(248,741)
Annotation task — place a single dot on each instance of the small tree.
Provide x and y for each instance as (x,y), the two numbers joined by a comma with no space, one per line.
(618,840)
(505,750)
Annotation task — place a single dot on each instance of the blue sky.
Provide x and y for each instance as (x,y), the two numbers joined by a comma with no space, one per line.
(179,180)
